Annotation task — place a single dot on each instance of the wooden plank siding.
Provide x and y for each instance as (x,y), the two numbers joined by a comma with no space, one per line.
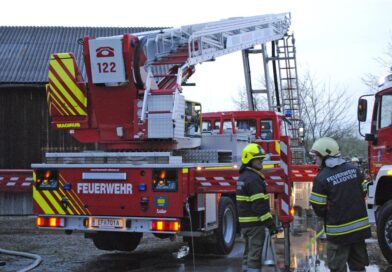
(16,203)
(25,132)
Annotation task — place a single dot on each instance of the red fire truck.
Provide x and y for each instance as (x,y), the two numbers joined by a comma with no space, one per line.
(380,162)
(158,167)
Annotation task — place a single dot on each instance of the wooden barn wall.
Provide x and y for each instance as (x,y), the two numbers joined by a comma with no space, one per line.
(16,203)
(25,132)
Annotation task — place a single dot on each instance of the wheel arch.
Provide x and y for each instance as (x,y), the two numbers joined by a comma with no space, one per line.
(233,198)
(383,190)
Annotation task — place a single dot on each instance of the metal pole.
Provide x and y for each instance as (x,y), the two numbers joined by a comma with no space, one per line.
(275,73)
(267,76)
(286,228)
(248,81)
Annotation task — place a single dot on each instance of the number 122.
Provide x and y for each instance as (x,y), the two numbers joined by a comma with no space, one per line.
(106,67)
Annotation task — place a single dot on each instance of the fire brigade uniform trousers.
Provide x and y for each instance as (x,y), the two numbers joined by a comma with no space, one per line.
(354,254)
(254,240)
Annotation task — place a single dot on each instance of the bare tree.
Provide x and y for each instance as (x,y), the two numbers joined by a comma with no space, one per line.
(370,79)
(324,110)
(241,101)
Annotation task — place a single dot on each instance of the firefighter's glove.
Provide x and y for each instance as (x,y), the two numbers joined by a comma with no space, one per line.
(272,228)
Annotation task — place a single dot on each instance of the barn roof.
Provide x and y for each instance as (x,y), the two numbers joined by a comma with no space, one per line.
(25,50)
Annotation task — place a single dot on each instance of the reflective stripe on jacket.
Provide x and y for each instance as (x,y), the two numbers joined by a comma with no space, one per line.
(338,197)
(252,199)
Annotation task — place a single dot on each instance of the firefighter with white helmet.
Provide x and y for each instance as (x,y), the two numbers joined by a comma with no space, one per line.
(338,196)
(254,212)
(355,161)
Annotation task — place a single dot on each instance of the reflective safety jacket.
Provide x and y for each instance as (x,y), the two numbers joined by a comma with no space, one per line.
(338,195)
(252,199)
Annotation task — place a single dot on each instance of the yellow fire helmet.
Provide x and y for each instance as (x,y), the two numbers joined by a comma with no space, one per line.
(252,151)
(324,147)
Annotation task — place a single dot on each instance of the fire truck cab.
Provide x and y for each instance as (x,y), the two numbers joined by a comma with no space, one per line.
(262,125)
(380,161)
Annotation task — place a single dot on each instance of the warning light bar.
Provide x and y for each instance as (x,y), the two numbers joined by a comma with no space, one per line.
(52,222)
(164,225)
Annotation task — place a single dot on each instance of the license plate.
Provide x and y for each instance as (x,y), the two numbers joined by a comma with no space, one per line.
(107,223)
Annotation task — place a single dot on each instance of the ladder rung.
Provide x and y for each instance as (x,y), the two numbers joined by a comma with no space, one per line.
(259,91)
(286,47)
(254,51)
(281,58)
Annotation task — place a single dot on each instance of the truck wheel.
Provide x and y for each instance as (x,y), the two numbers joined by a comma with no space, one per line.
(384,230)
(117,241)
(102,241)
(225,233)
(127,241)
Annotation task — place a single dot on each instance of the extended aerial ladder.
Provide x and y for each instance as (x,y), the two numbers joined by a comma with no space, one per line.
(189,45)
(145,72)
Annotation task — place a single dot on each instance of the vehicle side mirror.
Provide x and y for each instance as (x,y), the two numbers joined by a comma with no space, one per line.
(370,137)
(362,110)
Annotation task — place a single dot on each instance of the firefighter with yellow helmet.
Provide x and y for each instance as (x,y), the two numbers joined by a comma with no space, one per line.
(254,212)
(338,196)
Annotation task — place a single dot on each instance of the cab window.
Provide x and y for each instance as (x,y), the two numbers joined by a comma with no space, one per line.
(216,125)
(266,132)
(227,125)
(284,128)
(206,126)
(385,111)
(192,118)
(246,125)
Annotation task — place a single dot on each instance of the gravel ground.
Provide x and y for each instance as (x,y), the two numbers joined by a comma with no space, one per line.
(61,252)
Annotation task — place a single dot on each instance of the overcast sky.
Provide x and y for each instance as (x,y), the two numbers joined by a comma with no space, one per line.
(337,40)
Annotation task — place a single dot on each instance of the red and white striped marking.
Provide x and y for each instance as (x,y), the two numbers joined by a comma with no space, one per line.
(16,181)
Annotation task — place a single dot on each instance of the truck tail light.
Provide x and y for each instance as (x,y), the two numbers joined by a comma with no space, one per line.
(164,225)
(292,211)
(52,222)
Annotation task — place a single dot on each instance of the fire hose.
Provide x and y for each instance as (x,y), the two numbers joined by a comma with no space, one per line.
(37,258)
(313,240)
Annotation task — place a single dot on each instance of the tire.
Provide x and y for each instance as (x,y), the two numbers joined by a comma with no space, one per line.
(226,232)
(117,241)
(221,242)
(102,241)
(384,230)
